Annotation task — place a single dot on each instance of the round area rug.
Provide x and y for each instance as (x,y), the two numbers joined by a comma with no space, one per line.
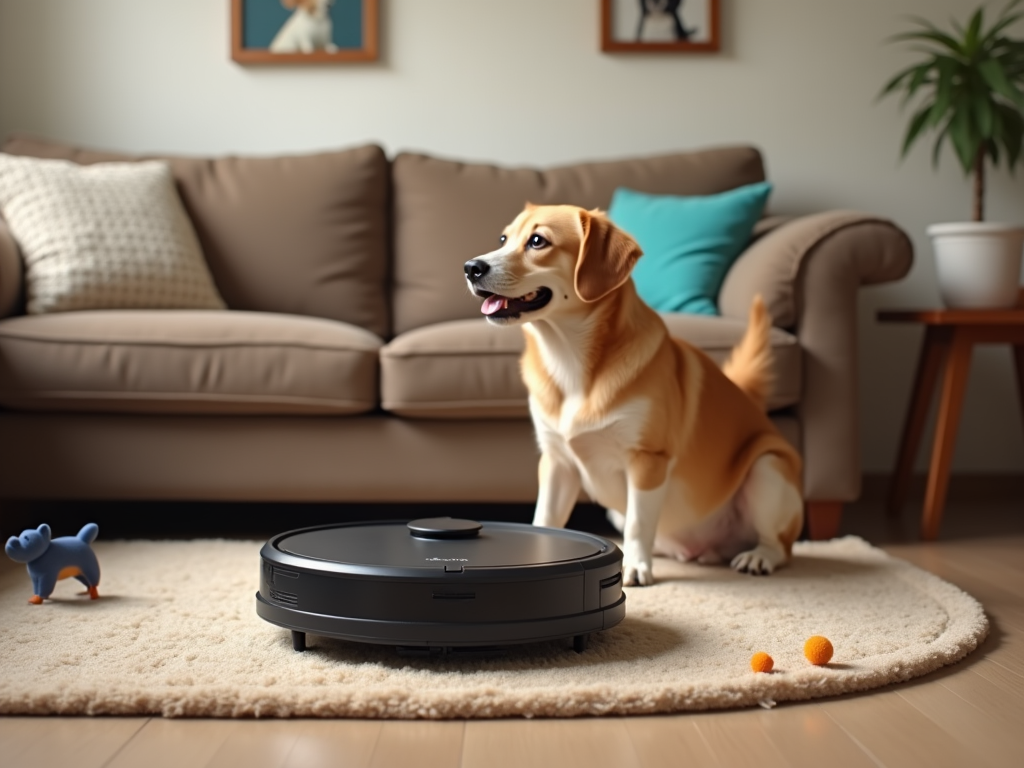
(175,632)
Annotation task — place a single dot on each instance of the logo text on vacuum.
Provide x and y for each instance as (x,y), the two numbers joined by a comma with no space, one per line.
(446,559)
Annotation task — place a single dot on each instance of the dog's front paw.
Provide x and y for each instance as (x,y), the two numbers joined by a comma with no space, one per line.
(637,574)
(759,561)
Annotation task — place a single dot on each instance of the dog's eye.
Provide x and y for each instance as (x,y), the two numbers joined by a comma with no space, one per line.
(502,239)
(537,242)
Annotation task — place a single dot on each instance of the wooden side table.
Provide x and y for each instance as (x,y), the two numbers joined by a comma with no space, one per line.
(950,336)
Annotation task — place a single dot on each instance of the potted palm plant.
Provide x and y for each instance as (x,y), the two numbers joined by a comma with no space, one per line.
(968,90)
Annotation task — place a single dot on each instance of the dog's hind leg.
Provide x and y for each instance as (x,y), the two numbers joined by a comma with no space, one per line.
(560,485)
(90,588)
(771,504)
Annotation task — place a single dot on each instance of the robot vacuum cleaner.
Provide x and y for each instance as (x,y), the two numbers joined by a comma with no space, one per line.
(441,585)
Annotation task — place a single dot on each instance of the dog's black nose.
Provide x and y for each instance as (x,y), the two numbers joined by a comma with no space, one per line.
(475,269)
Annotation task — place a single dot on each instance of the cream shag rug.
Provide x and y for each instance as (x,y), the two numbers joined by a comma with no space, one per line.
(175,632)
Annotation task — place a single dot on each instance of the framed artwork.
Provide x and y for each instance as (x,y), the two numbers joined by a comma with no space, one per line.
(681,26)
(303,31)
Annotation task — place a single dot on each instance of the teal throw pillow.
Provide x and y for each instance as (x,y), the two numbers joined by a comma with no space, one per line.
(689,243)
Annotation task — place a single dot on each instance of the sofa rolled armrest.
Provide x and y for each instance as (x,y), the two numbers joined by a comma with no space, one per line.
(11,273)
(768,224)
(808,270)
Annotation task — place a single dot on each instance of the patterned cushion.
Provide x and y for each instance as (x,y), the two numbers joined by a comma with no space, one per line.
(108,236)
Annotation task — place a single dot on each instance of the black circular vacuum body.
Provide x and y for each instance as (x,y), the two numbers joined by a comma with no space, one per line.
(441,584)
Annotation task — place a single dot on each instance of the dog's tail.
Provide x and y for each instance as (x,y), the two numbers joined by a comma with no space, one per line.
(750,364)
(88,533)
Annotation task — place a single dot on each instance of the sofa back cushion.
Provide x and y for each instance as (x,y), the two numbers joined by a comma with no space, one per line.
(301,234)
(446,213)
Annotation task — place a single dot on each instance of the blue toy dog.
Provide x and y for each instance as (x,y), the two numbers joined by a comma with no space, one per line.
(49,561)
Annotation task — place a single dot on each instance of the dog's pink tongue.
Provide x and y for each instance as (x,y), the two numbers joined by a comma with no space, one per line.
(492,304)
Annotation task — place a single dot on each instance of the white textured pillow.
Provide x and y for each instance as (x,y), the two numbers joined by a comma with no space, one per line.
(106,236)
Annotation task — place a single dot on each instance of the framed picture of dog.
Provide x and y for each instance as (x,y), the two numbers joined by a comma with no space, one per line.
(303,31)
(679,26)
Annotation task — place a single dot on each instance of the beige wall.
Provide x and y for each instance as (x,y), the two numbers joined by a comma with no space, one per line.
(523,82)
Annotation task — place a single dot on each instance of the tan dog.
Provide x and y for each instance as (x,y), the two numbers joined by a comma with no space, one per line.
(648,425)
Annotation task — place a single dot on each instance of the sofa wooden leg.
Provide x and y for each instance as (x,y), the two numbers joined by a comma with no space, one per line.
(823,519)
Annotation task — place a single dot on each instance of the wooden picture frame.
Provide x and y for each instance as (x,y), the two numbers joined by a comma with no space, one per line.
(257,26)
(655,26)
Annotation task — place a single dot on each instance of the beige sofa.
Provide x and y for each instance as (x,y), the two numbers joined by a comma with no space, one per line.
(353,365)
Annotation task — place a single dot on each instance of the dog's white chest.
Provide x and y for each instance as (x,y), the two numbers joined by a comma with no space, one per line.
(593,437)
(568,417)
(599,448)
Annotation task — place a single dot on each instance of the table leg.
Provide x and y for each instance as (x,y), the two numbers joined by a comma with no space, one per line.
(823,519)
(933,351)
(1018,359)
(954,384)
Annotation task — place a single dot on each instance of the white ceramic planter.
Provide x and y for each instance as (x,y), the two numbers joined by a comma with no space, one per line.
(978,263)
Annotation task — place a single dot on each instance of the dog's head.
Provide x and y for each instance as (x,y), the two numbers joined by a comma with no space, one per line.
(31,544)
(551,259)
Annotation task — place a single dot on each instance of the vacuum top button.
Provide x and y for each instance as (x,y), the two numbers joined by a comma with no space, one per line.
(444,528)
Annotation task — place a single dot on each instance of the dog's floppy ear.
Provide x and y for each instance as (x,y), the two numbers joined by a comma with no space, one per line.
(607,256)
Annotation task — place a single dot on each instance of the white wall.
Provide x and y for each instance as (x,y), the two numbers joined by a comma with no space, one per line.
(524,82)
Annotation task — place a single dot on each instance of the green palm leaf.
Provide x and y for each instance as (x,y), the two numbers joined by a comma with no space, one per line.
(962,134)
(984,113)
(1010,133)
(993,152)
(995,76)
(940,142)
(917,125)
(943,89)
(973,32)
(993,33)
(932,34)
(916,72)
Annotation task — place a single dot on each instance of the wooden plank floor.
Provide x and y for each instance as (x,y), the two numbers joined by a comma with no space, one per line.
(969,715)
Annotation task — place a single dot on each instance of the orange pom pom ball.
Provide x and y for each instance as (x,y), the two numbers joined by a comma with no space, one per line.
(761,662)
(818,650)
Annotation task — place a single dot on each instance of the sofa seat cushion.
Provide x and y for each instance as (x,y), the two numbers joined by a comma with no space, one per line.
(467,369)
(463,369)
(187,361)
